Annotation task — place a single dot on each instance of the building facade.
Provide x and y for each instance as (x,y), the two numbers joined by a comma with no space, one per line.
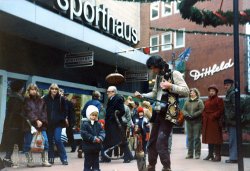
(74,43)
(212,56)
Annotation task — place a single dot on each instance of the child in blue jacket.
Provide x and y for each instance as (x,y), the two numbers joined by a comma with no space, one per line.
(93,135)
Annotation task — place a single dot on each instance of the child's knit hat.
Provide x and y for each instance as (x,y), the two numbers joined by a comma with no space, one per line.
(90,109)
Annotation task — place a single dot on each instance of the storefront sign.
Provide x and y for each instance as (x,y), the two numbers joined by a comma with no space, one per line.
(196,74)
(136,76)
(248,61)
(98,17)
(75,60)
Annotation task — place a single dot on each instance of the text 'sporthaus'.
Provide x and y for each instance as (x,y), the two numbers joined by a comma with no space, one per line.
(196,74)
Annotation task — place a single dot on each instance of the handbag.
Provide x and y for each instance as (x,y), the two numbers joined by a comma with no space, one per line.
(37,143)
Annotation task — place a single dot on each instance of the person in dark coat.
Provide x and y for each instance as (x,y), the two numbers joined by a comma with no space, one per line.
(230,120)
(114,134)
(72,121)
(96,102)
(13,123)
(92,135)
(211,124)
(36,115)
(57,119)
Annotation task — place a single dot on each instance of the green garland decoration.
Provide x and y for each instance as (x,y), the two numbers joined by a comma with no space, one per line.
(205,17)
(196,32)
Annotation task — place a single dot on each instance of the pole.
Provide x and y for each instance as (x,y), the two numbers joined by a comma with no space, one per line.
(237,84)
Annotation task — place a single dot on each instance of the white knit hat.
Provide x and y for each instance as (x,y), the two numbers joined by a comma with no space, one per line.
(90,109)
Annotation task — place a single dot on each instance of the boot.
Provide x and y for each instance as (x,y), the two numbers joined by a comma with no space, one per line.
(45,161)
(209,156)
(150,168)
(29,158)
(217,153)
(79,153)
(8,162)
(165,169)
(210,152)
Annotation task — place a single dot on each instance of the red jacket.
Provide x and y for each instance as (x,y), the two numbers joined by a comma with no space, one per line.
(211,121)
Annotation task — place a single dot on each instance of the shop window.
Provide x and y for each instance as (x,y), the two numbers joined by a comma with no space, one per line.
(179,39)
(154,10)
(154,41)
(166,9)
(166,38)
(176,6)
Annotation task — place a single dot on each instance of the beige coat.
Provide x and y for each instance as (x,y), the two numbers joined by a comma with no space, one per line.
(179,87)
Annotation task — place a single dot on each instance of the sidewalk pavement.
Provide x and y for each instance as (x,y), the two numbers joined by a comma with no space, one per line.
(179,163)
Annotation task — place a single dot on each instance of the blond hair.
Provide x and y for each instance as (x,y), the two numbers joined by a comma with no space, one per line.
(54,85)
(32,86)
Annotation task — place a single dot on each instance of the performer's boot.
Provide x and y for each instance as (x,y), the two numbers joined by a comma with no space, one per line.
(165,169)
(150,168)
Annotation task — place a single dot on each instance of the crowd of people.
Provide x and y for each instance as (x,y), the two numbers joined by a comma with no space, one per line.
(127,128)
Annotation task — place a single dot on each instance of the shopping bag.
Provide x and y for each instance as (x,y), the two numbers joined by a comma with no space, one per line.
(37,144)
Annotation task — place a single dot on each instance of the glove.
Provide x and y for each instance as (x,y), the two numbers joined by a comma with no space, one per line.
(188,117)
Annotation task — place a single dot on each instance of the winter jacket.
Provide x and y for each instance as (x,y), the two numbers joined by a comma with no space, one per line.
(245,109)
(179,86)
(70,113)
(89,133)
(35,109)
(211,121)
(113,132)
(194,109)
(56,111)
(13,118)
(126,118)
(14,121)
(143,125)
(229,106)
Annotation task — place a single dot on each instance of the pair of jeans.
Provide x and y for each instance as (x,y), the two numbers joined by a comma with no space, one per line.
(233,155)
(91,162)
(28,139)
(54,137)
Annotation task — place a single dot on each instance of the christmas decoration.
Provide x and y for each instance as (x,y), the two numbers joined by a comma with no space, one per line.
(195,32)
(205,17)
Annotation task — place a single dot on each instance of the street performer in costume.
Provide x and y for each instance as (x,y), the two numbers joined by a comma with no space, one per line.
(168,86)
